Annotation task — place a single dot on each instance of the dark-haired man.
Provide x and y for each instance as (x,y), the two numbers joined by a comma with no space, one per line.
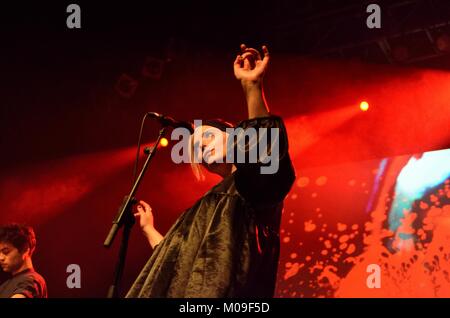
(17,244)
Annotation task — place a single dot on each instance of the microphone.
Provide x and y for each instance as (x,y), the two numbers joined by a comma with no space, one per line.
(169,121)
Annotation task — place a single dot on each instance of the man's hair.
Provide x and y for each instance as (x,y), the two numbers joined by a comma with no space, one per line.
(20,236)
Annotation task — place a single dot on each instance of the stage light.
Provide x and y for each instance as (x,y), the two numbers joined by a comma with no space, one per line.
(163,142)
(419,175)
(364,106)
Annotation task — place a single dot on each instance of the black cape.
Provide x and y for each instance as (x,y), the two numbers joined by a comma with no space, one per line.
(227,244)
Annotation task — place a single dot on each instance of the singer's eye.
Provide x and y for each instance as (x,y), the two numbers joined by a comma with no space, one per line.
(209,135)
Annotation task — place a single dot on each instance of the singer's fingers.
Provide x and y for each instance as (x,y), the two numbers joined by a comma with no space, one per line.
(237,61)
(247,65)
(265,60)
(243,47)
(136,214)
(146,206)
(246,55)
(249,60)
(254,52)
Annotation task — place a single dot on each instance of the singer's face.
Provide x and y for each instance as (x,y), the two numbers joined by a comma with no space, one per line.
(210,146)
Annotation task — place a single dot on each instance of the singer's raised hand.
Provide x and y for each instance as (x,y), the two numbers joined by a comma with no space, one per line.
(249,66)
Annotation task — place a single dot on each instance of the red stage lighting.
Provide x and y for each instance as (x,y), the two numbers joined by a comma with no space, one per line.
(163,142)
(364,106)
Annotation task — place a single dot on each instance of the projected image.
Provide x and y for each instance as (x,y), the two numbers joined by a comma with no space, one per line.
(378,228)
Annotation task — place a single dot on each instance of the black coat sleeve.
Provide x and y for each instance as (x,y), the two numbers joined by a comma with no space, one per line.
(260,182)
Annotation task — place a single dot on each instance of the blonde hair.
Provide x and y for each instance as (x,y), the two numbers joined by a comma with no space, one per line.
(196,167)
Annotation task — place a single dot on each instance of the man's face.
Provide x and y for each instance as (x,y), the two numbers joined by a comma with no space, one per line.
(10,257)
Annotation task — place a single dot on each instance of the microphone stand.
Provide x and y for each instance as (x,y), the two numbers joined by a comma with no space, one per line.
(125,218)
